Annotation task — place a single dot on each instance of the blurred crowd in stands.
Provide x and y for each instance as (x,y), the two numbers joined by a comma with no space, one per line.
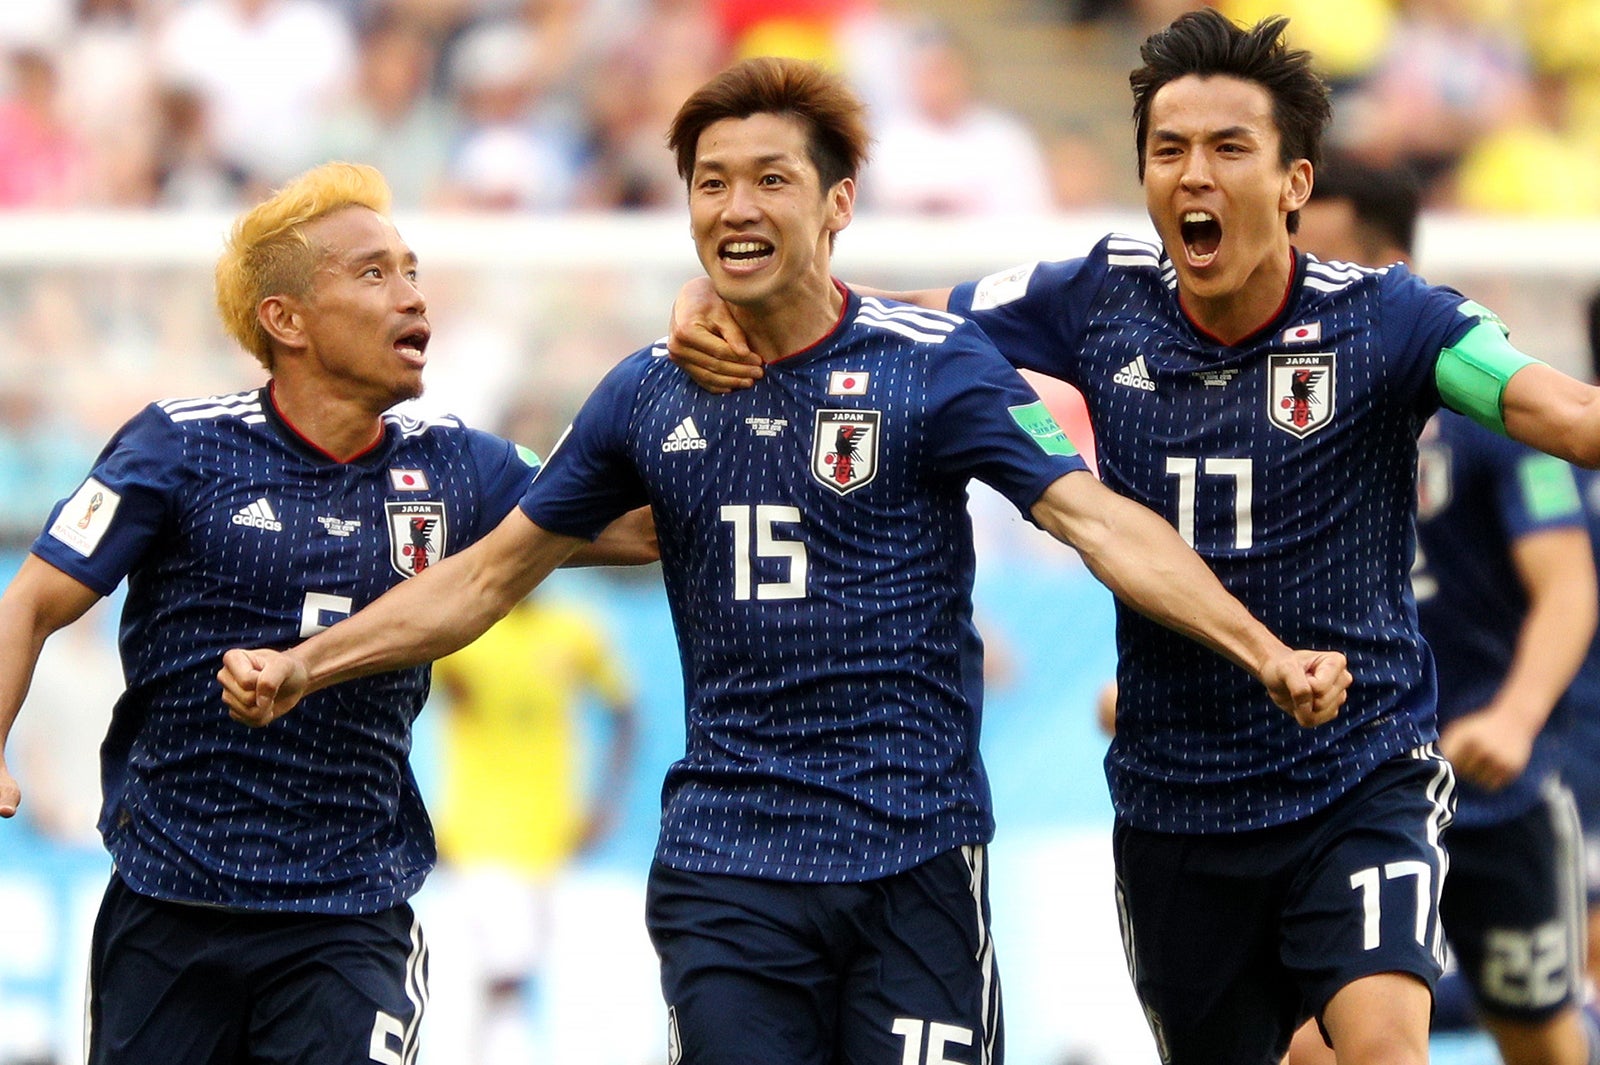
(560,105)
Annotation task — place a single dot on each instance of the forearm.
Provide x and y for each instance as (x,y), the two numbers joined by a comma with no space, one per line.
(437,612)
(1557,414)
(1551,646)
(934,299)
(1144,562)
(39,601)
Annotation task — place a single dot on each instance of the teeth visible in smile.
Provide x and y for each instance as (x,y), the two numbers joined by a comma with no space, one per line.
(1199,216)
(745,249)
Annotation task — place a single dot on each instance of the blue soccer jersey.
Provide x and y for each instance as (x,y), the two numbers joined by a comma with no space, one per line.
(1582,727)
(1477,494)
(819,562)
(234,532)
(1288,461)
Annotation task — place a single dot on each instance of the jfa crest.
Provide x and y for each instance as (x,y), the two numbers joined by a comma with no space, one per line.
(1300,392)
(416,536)
(844,449)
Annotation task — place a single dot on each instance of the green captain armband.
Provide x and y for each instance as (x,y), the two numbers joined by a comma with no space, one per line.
(1472,373)
(528,456)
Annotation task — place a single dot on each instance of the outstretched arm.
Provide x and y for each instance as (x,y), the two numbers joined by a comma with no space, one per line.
(426,617)
(1553,412)
(709,345)
(1148,566)
(1491,746)
(40,600)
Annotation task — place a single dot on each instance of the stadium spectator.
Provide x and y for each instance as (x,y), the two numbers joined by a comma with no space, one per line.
(1446,75)
(393,120)
(266,70)
(950,153)
(820,889)
(45,164)
(518,147)
(108,94)
(1268,404)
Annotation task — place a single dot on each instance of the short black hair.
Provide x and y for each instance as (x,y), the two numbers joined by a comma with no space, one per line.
(1386,199)
(1206,44)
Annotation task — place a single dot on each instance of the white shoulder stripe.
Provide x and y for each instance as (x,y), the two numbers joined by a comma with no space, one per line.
(905,329)
(246,406)
(1123,250)
(877,310)
(1123,243)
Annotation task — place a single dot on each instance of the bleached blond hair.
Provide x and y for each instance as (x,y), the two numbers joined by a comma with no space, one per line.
(267,252)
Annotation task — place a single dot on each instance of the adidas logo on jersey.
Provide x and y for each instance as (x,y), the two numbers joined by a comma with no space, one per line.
(686,437)
(259,515)
(1134,375)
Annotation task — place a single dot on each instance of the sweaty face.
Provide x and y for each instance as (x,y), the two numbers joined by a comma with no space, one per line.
(1215,189)
(365,319)
(761,220)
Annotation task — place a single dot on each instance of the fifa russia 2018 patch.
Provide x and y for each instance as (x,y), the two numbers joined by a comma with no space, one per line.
(844,448)
(416,536)
(1300,392)
(85,517)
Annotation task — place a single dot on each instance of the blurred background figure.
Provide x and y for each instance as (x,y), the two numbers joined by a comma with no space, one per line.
(1582,766)
(1506,595)
(43,163)
(1360,214)
(529,785)
(393,119)
(1448,70)
(518,147)
(949,152)
(266,71)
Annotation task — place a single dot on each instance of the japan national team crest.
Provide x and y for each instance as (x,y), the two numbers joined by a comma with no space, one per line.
(1300,392)
(416,536)
(844,449)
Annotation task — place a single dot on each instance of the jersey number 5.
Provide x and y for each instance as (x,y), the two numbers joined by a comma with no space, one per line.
(753,538)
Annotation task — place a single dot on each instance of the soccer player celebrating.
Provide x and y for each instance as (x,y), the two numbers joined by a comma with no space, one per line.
(1268,405)
(258,906)
(819,893)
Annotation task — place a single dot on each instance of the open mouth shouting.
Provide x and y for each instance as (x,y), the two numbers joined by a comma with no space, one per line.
(1201,233)
(413,343)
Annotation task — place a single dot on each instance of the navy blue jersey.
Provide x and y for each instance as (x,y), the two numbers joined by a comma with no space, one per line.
(819,562)
(1477,494)
(1288,461)
(1582,763)
(233,532)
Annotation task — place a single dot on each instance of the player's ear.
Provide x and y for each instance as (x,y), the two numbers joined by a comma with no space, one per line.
(841,204)
(1296,186)
(280,316)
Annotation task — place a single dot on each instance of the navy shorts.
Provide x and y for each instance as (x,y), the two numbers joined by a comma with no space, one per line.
(176,984)
(1234,940)
(899,969)
(1514,909)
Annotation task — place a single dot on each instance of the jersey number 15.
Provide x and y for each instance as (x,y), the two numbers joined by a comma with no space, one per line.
(753,537)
